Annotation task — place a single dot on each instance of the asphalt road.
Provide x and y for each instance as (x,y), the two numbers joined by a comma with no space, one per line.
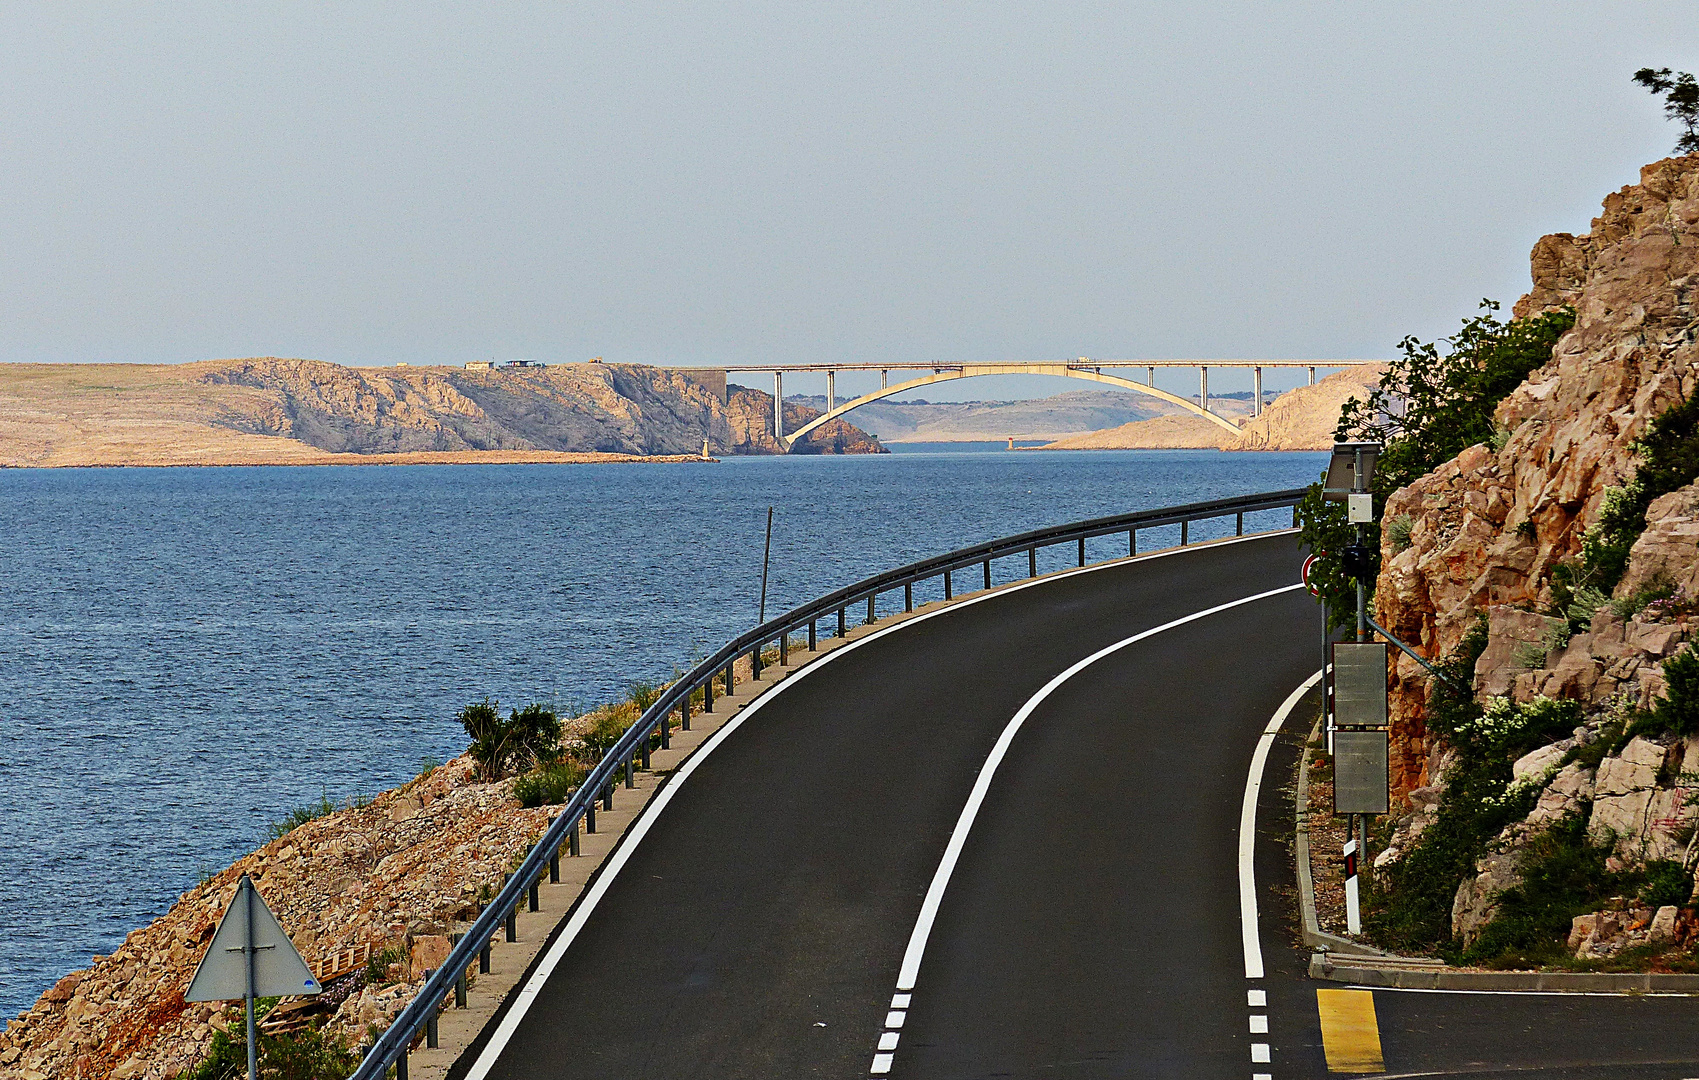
(1091,926)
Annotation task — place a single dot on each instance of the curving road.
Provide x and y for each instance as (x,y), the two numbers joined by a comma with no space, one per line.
(1001,840)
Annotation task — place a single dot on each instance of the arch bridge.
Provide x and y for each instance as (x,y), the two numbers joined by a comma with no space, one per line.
(1081,368)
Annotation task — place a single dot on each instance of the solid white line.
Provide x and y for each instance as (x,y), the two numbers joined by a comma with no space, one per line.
(1248,833)
(622,853)
(964,824)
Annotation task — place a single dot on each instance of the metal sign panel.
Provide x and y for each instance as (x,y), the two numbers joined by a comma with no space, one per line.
(279,970)
(1342,468)
(1359,684)
(1360,772)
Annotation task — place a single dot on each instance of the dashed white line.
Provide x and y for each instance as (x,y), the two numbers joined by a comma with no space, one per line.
(1259,1053)
(1259,1025)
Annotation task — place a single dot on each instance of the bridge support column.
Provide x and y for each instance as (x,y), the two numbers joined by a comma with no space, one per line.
(779,406)
(1150,376)
(1256,396)
(831,390)
(1203,388)
(1312,376)
(885,379)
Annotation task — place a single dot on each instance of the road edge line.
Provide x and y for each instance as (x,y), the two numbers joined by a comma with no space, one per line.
(1248,929)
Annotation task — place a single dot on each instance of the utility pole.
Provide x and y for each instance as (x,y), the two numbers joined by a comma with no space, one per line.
(766,556)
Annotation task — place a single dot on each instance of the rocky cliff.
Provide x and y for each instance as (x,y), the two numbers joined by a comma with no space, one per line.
(256,410)
(1479,539)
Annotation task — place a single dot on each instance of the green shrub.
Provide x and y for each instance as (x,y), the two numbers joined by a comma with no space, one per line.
(643,694)
(1398,530)
(301,815)
(550,784)
(608,725)
(503,747)
(1677,712)
(305,1055)
(378,965)
(1665,883)
(1429,407)
(1563,875)
(1669,461)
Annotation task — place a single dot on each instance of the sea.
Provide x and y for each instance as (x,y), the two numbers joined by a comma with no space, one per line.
(186,654)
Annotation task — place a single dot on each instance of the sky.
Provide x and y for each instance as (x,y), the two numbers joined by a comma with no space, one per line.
(739,183)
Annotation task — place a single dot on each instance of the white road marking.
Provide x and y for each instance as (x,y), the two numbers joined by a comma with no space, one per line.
(888,1041)
(1262,1076)
(916,950)
(646,818)
(1259,1053)
(894,1019)
(1259,1025)
(1248,832)
(1257,999)
(882,1063)
(899,1001)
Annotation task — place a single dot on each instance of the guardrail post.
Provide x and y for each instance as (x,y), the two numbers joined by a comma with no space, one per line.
(631,772)
(842,632)
(1183,524)
(1132,542)
(1082,551)
(812,630)
(1032,561)
(512,924)
(683,717)
(644,752)
(484,959)
(533,899)
(572,840)
(1239,529)
(401,1064)
(872,615)
(784,648)
(908,597)
(731,675)
(987,573)
(589,819)
(554,867)
(755,662)
(608,795)
(708,695)
(947,585)
(431,1031)
(667,726)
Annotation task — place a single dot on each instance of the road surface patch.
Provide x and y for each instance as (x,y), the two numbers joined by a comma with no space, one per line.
(1350,1036)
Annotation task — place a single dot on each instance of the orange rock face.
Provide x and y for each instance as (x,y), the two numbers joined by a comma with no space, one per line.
(1488,527)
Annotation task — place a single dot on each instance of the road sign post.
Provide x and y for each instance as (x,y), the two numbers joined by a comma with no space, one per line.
(250,957)
(1353,910)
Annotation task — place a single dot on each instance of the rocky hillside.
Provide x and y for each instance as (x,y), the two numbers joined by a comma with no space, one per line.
(1574,685)
(248,411)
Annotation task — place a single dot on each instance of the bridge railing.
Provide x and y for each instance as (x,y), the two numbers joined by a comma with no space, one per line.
(653,729)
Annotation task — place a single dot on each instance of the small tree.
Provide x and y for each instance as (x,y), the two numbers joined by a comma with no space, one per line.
(1681,102)
(503,747)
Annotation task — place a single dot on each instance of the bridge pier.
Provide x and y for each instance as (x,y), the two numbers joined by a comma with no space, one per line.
(1203,387)
(1256,395)
(779,406)
(831,390)
(1312,376)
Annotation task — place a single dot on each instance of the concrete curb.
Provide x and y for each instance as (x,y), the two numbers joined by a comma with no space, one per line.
(1365,972)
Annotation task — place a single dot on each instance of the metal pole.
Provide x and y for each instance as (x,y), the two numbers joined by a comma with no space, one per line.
(248,955)
(766,555)
(1362,589)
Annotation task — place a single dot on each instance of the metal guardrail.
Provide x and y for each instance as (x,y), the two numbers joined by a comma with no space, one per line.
(655,726)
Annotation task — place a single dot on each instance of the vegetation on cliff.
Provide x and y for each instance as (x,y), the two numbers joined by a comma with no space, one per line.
(1430,405)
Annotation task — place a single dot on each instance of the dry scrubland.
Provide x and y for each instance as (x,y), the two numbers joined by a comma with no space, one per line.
(271,411)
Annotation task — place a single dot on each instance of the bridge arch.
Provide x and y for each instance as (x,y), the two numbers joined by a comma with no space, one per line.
(969,371)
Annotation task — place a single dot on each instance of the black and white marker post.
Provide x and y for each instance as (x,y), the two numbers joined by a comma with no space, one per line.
(1353,911)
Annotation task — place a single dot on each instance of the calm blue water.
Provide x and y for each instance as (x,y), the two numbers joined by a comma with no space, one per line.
(185,654)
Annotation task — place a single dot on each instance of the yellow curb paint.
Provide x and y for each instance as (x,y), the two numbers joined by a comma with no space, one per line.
(1349,1034)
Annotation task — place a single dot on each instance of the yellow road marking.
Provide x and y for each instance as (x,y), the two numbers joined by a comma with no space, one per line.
(1349,1034)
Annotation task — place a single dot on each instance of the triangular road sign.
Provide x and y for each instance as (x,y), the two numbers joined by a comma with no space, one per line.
(279,970)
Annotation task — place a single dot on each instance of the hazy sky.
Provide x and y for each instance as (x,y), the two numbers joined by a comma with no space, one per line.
(745,182)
